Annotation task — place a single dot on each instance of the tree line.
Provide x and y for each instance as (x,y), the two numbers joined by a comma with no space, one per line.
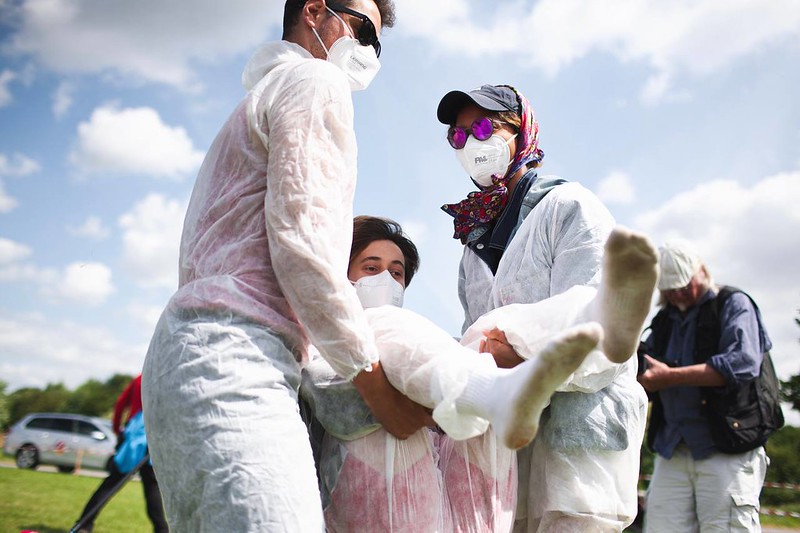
(92,398)
(97,398)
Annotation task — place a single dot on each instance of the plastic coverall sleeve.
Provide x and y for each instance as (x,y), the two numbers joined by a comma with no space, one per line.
(311,180)
(335,402)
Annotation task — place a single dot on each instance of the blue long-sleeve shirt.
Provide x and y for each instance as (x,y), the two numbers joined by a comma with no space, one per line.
(741,348)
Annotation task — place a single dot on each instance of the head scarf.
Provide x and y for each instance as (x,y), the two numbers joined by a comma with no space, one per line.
(484,206)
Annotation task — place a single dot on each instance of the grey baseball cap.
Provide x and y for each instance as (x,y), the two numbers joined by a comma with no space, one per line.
(490,97)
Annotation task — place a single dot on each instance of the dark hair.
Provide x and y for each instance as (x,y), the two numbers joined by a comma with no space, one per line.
(292,9)
(368,229)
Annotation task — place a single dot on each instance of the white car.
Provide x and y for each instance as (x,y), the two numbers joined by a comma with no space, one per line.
(63,440)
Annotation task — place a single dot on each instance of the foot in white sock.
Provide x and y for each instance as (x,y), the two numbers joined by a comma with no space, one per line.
(522,393)
(630,271)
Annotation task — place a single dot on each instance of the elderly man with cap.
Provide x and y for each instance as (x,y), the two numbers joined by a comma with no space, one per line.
(707,364)
(529,237)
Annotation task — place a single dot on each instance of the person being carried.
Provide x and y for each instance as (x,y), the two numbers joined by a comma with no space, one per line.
(708,371)
(373,482)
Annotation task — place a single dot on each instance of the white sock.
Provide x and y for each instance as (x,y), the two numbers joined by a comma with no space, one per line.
(630,271)
(513,399)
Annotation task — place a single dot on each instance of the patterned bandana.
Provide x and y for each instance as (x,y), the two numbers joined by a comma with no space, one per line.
(484,206)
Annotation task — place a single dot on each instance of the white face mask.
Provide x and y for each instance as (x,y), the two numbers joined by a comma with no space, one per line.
(380,289)
(484,159)
(359,63)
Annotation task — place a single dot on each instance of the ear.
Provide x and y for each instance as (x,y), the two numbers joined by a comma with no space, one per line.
(313,12)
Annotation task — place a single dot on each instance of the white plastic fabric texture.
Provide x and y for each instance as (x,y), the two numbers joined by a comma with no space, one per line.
(268,228)
(224,434)
(583,466)
(264,248)
(427,482)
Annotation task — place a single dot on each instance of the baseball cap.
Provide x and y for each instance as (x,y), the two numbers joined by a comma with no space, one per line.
(679,262)
(489,97)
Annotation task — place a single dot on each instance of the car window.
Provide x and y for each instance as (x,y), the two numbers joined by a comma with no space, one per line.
(62,424)
(86,428)
(39,423)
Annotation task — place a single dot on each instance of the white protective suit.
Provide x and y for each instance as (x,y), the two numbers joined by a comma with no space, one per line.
(463,480)
(264,248)
(581,471)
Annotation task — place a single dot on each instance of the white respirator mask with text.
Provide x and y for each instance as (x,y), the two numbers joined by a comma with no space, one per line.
(380,289)
(484,159)
(359,63)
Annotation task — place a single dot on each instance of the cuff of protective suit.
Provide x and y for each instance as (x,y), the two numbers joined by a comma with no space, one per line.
(366,367)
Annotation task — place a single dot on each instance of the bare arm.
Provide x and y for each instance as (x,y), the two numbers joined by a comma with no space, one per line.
(660,376)
(398,415)
(497,344)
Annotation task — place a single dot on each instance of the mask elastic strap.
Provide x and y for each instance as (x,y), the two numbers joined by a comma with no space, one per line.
(316,34)
(346,27)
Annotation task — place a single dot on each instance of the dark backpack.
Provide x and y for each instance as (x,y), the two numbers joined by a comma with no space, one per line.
(739,420)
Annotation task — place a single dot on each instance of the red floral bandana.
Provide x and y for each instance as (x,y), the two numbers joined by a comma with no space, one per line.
(479,208)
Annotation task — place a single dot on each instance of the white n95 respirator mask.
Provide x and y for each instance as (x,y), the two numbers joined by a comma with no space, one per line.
(484,159)
(359,63)
(380,289)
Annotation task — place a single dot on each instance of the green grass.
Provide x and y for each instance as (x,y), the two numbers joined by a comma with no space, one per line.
(52,503)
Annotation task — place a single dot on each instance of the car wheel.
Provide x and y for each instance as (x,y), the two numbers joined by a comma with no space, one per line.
(66,469)
(27,456)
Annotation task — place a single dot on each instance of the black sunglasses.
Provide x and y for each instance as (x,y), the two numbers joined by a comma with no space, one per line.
(366,34)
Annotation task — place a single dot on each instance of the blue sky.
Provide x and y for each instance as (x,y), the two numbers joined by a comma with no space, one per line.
(682,116)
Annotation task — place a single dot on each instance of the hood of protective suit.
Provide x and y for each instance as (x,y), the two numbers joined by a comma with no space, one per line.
(266,58)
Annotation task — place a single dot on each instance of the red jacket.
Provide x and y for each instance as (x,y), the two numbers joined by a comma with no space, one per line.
(130,400)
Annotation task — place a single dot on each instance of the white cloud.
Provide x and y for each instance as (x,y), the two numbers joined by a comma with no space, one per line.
(151,240)
(79,283)
(7,202)
(35,351)
(82,283)
(62,99)
(11,252)
(91,228)
(6,77)
(749,237)
(416,230)
(145,315)
(616,188)
(133,141)
(17,165)
(673,38)
(147,40)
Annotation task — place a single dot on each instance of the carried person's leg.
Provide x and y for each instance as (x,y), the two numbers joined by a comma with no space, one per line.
(620,305)
(465,388)
(224,430)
